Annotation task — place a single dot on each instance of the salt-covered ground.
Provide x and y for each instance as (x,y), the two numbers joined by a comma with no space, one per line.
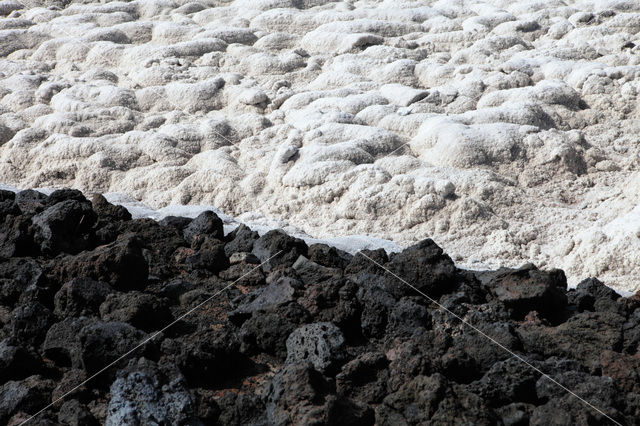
(505,130)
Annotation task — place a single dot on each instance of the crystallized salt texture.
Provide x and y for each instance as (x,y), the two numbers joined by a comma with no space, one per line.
(505,131)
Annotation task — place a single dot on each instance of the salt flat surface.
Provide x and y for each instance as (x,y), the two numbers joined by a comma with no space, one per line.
(505,130)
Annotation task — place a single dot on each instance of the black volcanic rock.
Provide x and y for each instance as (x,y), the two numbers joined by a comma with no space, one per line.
(120,264)
(158,244)
(179,223)
(321,343)
(267,247)
(242,239)
(529,289)
(335,300)
(16,362)
(30,202)
(376,303)
(267,330)
(65,194)
(64,227)
(583,337)
(17,276)
(144,311)
(28,395)
(103,342)
(281,291)
(364,378)
(210,256)
(424,266)
(506,382)
(207,223)
(62,344)
(313,336)
(434,400)
(210,358)
(311,272)
(74,413)
(146,396)
(6,195)
(108,211)
(331,257)
(30,322)
(80,297)
(16,237)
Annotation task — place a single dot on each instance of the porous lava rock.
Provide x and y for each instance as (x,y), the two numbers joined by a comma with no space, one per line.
(312,336)
(120,264)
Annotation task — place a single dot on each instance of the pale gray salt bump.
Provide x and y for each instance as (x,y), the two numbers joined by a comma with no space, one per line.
(402,95)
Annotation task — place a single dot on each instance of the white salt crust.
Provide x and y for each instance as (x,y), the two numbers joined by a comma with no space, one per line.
(504,130)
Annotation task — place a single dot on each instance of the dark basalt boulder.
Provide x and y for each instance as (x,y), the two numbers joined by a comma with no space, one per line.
(281,291)
(335,300)
(75,413)
(376,304)
(506,382)
(471,346)
(17,275)
(583,337)
(425,267)
(239,409)
(65,194)
(158,244)
(367,262)
(529,289)
(30,202)
(211,358)
(80,297)
(62,344)
(144,395)
(107,211)
(560,406)
(16,237)
(6,195)
(30,322)
(120,264)
(364,378)
(28,395)
(434,400)
(206,224)
(330,257)
(295,395)
(321,343)
(623,369)
(267,330)
(267,247)
(240,239)
(407,316)
(210,256)
(631,334)
(176,222)
(144,311)
(17,362)
(103,342)
(311,272)
(592,295)
(64,227)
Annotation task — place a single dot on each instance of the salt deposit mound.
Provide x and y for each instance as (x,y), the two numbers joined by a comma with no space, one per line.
(504,130)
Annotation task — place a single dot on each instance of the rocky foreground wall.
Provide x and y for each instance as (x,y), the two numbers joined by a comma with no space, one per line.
(290,333)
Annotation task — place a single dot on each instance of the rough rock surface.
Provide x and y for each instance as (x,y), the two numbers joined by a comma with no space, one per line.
(503,130)
(317,337)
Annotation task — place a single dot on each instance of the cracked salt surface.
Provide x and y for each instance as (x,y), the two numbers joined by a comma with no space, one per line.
(504,130)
